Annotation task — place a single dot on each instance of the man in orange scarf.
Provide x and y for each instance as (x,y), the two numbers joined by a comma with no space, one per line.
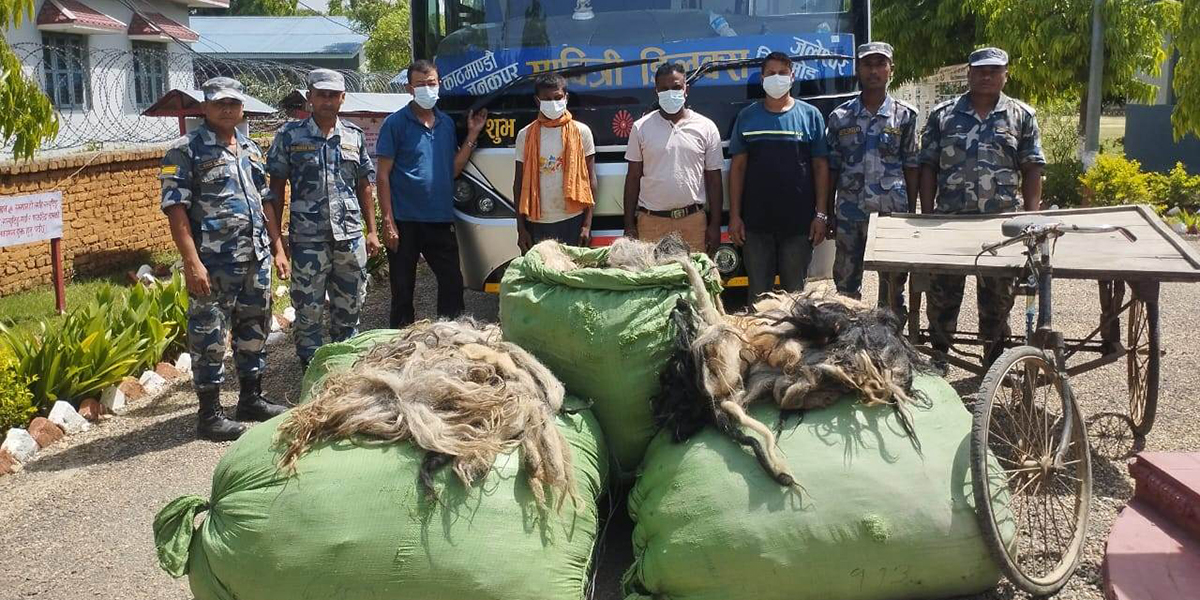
(555,179)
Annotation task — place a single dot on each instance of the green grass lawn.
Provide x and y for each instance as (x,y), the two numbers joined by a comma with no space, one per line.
(1111,129)
(25,310)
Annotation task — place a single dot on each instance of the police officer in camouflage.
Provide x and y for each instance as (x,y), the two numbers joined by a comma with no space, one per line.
(212,184)
(873,161)
(981,154)
(327,164)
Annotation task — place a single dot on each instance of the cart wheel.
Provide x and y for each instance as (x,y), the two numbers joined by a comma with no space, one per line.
(1032,471)
(1142,362)
(1112,436)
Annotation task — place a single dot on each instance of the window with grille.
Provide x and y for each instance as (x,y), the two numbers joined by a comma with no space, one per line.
(67,70)
(149,72)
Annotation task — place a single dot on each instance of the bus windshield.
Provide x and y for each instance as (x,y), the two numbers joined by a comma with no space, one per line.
(488,43)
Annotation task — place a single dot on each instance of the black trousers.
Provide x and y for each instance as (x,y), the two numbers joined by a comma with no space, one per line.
(439,245)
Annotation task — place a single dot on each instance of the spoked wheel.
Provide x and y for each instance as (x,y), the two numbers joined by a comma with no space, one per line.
(1032,471)
(1142,362)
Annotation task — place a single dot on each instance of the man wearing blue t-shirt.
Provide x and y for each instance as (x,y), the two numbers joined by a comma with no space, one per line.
(778,182)
(419,158)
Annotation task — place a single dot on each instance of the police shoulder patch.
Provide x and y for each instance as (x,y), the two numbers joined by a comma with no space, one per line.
(892,130)
(302,147)
(849,130)
(169,170)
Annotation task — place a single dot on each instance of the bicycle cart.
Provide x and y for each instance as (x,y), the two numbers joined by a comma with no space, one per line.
(1030,458)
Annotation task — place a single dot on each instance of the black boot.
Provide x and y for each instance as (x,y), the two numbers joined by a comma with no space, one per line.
(212,423)
(252,406)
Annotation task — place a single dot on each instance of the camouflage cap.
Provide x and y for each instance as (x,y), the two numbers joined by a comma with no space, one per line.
(326,79)
(985,57)
(870,48)
(220,88)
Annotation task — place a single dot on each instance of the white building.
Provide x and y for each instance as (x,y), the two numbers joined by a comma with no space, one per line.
(101,62)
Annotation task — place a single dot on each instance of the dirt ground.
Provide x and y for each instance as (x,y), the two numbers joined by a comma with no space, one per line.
(77,522)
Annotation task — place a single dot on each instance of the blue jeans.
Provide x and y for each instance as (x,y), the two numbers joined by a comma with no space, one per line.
(768,255)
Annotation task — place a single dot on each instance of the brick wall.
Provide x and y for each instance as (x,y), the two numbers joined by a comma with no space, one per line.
(110,213)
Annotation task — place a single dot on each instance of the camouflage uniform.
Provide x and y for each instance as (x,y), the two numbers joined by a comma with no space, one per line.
(223,197)
(325,231)
(979,172)
(869,152)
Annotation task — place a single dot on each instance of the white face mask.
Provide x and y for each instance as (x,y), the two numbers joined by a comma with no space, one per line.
(553,109)
(671,101)
(777,86)
(426,96)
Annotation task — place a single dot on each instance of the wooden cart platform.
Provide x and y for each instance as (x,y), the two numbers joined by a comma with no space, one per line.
(928,245)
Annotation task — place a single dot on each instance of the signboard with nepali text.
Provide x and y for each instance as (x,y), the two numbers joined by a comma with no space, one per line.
(30,218)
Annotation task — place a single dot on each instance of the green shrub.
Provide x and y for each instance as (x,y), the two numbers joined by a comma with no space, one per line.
(16,401)
(1062,185)
(1059,125)
(1176,188)
(116,334)
(1115,180)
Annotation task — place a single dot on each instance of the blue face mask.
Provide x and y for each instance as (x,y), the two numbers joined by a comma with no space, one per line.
(671,101)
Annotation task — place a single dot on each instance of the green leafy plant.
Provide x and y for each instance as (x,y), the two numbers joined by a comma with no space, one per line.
(1062,185)
(1175,188)
(1116,180)
(16,401)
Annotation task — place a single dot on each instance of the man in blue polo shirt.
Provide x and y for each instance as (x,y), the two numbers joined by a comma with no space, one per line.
(778,182)
(419,158)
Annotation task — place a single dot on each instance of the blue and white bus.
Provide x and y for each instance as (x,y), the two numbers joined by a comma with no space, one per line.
(488,52)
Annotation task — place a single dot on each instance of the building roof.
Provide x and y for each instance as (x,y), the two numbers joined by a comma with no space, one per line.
(152,26)
(186,103)
(75,17)
(277,37)
(357,104)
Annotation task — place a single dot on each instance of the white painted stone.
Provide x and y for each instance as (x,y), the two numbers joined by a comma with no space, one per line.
(281,291)
(20,444)
(1174,211)
(275,326)
(275,337)
(113,399)
(289,313)
(152,382)
(1179,228)
(145,270)
(65,416)
(184,363)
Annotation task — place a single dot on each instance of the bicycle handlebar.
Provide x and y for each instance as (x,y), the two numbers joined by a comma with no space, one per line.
(1039,228)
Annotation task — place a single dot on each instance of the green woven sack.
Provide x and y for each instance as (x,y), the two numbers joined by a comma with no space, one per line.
(338,356)
(354,524)
(877,519)
(605,333)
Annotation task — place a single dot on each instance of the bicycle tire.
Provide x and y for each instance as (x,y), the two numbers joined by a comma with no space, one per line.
(983,455)
(1143,391)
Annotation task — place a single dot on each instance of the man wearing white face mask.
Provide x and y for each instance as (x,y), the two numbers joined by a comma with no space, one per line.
(419,158)
(778,182)
(674,172)
(555,178)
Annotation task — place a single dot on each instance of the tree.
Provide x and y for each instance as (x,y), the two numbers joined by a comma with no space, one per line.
(1049,41)
(1186,116)
(389,47)
(387,25)
(26,117)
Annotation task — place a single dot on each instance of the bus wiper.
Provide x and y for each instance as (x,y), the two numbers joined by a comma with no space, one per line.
(737,63)
(564,71)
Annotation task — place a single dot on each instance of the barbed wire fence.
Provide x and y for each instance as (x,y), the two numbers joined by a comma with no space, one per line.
(100,94)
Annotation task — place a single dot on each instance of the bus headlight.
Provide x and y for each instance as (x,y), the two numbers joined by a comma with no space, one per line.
(485,205)
(727,260)
(464,191)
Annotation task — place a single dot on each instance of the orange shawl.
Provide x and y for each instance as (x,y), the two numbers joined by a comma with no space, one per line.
(577,187)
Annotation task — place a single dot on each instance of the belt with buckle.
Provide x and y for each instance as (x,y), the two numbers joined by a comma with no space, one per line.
(678,213)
